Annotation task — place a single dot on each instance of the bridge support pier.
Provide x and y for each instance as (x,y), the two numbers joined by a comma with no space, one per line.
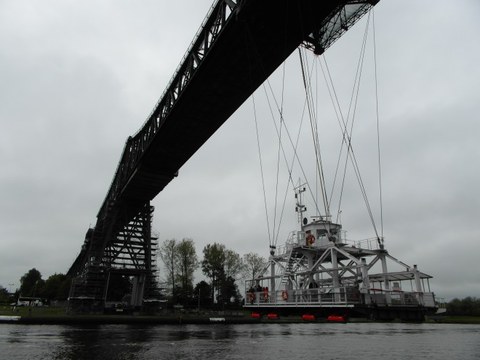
(128,255)
(138,289)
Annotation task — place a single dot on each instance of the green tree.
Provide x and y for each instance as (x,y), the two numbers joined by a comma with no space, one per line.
(4,295)
(254,264)
(229,294)
(56,287)
(234,265)
(186,263)
(454,307)
(213,265)
(31,283)
(202,294)
(223,267)
(469,306)
(168,254)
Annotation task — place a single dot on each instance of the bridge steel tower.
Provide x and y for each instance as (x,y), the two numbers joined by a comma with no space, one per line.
(240,43)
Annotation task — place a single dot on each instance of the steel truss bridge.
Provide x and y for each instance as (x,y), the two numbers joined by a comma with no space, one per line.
(239,45)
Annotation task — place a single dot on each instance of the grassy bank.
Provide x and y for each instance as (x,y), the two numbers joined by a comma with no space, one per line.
(31,311)
(52,315)
(451,319)
(56,315)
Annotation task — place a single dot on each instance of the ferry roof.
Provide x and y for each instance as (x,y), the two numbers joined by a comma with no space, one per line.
(398,276)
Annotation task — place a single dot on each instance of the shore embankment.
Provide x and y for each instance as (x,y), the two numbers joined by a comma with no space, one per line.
(51,316)
(58,316)
(122,319)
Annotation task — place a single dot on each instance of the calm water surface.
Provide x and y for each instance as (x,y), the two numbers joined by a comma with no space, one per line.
(257,341)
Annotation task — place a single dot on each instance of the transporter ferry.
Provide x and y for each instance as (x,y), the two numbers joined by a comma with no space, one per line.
(319,273)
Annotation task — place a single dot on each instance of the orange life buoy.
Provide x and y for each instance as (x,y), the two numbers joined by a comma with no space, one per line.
(284,295)
(310,239)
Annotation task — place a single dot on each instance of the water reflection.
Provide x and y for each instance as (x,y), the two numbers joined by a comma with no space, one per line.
(261,341)
(100,342)
(143,342)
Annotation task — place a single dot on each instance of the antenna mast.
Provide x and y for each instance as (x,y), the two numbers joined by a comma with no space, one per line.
(299,207)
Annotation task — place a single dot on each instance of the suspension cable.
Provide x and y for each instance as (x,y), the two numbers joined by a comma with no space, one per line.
(273,239)
(314,128)
(276,230)
(290,164)
(261,169)
(294,146)
(279,150)
(350,147)
(347,128)
(377,113)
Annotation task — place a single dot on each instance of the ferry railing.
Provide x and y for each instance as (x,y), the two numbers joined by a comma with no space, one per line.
(400,298)
(429,300)
(369,244)
(319,297)
(343,296)
(297,238)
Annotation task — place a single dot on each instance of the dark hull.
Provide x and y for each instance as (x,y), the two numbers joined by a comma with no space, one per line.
(380,313)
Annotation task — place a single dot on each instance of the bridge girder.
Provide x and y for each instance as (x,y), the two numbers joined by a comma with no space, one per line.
(239,45)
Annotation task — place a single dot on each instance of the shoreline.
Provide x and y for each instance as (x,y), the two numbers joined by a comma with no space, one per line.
(121,319)
(185,319)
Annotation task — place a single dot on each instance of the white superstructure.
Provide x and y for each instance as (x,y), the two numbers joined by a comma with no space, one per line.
(319,267)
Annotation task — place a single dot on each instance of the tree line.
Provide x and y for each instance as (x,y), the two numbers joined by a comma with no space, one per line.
(55,288)
(469,306)
(221,266)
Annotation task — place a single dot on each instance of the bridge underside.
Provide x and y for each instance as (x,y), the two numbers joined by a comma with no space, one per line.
(247,50)
(240,44)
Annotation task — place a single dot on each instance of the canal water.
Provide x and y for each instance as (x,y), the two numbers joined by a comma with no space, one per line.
(256,341)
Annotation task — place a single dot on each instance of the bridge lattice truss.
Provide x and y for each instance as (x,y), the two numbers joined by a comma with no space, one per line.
(240,43)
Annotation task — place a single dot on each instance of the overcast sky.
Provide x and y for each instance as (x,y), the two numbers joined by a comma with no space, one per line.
(78,77)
